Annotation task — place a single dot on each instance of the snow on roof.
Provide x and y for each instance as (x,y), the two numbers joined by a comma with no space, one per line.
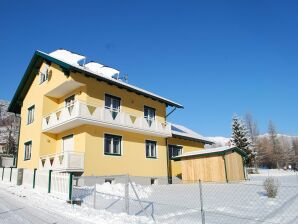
(67,56)
(101,69)
(73,59)
(210,151)
(182,131)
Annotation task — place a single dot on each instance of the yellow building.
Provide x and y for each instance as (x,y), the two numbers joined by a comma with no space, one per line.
(83,118)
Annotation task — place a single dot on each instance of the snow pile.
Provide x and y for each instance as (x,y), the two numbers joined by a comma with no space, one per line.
(67,56)
(79,214)
(274,172)
(101,69)
(118,190)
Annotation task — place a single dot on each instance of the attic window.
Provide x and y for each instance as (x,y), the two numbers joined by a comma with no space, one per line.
(44,74)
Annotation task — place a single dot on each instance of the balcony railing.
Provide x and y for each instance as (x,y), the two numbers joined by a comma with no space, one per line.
(80,113)
(65,161)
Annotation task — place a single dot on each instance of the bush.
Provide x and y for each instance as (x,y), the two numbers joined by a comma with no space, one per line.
(271,186)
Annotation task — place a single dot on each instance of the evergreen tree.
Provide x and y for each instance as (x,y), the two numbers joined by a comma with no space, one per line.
(240,137)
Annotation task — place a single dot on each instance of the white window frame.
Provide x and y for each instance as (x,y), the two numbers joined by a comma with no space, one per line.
(44,76)
(27,150)
(150,119)
(30,114)
(110,153)
(171,147)
(149,155)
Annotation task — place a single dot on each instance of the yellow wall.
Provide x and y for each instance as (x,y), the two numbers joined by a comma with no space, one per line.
(32,132)
(188,146)
(89,139)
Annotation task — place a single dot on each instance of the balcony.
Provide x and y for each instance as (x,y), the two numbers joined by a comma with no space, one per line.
(65,161)
(80,113)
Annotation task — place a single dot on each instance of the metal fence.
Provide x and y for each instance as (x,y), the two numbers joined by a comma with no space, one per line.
(182,202)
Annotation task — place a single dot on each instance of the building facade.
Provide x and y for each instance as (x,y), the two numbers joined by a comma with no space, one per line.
(80,117)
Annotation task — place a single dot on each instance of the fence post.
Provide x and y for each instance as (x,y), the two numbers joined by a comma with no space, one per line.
(202,206)
(34,177)
(126,194)
(3,173)
(70,187)
(10,174)
(94,199)
(49,183)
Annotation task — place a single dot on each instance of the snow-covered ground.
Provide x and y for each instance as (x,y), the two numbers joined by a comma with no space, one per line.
(50,206)
(233,203)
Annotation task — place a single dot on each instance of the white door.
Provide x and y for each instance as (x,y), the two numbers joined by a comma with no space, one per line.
(67,143)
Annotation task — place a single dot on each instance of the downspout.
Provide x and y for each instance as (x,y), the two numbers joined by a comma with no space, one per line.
(169,168)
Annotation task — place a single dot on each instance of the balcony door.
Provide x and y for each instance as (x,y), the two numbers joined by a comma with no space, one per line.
(67,143)
(112,103)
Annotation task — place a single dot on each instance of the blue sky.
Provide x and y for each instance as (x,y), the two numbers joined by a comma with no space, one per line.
(216,58)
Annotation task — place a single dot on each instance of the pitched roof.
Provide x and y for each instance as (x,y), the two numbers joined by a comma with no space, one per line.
(212,151)
(185,133)
(70,63)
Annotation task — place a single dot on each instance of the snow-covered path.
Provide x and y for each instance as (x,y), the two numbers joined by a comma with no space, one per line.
(14,210)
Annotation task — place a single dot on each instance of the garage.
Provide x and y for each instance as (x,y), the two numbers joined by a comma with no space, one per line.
(223,164)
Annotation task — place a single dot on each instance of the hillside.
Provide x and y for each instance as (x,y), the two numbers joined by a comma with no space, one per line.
(8,123)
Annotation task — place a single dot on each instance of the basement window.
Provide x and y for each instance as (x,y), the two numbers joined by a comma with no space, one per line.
(154,181)
(110,180)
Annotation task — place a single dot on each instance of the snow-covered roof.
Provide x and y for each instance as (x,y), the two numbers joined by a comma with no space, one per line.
(67,56)
(205,152)
(102,71)
(184,132)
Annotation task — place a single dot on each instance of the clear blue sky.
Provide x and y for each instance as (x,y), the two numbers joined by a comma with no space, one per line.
(214,57)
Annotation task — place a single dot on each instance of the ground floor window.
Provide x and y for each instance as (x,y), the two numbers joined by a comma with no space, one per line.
(175,150)
(28,148)
(151,149)
(112,145)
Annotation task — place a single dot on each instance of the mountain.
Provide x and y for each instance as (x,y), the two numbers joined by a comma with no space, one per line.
(9,123)
(222,141)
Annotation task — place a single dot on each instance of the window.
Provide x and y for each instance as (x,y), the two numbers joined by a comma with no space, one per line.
(30,114)
(112,103)
(112,145)
(28,148)
(44,74)
(175,150)
(151,149)
(149,114)
(69,102)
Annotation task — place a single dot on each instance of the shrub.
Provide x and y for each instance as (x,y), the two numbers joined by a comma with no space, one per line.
(271,186)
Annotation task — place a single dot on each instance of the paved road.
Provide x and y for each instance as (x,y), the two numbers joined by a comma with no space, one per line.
(14,210)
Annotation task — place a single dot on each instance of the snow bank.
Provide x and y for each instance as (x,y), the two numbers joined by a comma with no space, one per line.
(274,172)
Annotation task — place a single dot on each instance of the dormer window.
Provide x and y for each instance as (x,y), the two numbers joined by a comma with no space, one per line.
(149,114)
(44,74)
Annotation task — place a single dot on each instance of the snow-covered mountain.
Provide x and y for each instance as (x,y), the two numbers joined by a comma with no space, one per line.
(222,141)
(219,141)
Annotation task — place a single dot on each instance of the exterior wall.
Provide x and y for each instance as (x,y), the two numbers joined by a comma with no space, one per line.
(188,146)
(87,138)
(32,132)
(133,160)
(212,168)
(234,164)
(204,168)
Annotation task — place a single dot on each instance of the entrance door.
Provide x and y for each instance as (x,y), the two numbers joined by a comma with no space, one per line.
(67,143)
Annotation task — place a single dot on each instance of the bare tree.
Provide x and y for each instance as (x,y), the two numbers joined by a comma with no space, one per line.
(253,133)
(295,151)
(277,155)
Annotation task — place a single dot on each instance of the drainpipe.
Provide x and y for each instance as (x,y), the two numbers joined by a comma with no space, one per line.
(169,167)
